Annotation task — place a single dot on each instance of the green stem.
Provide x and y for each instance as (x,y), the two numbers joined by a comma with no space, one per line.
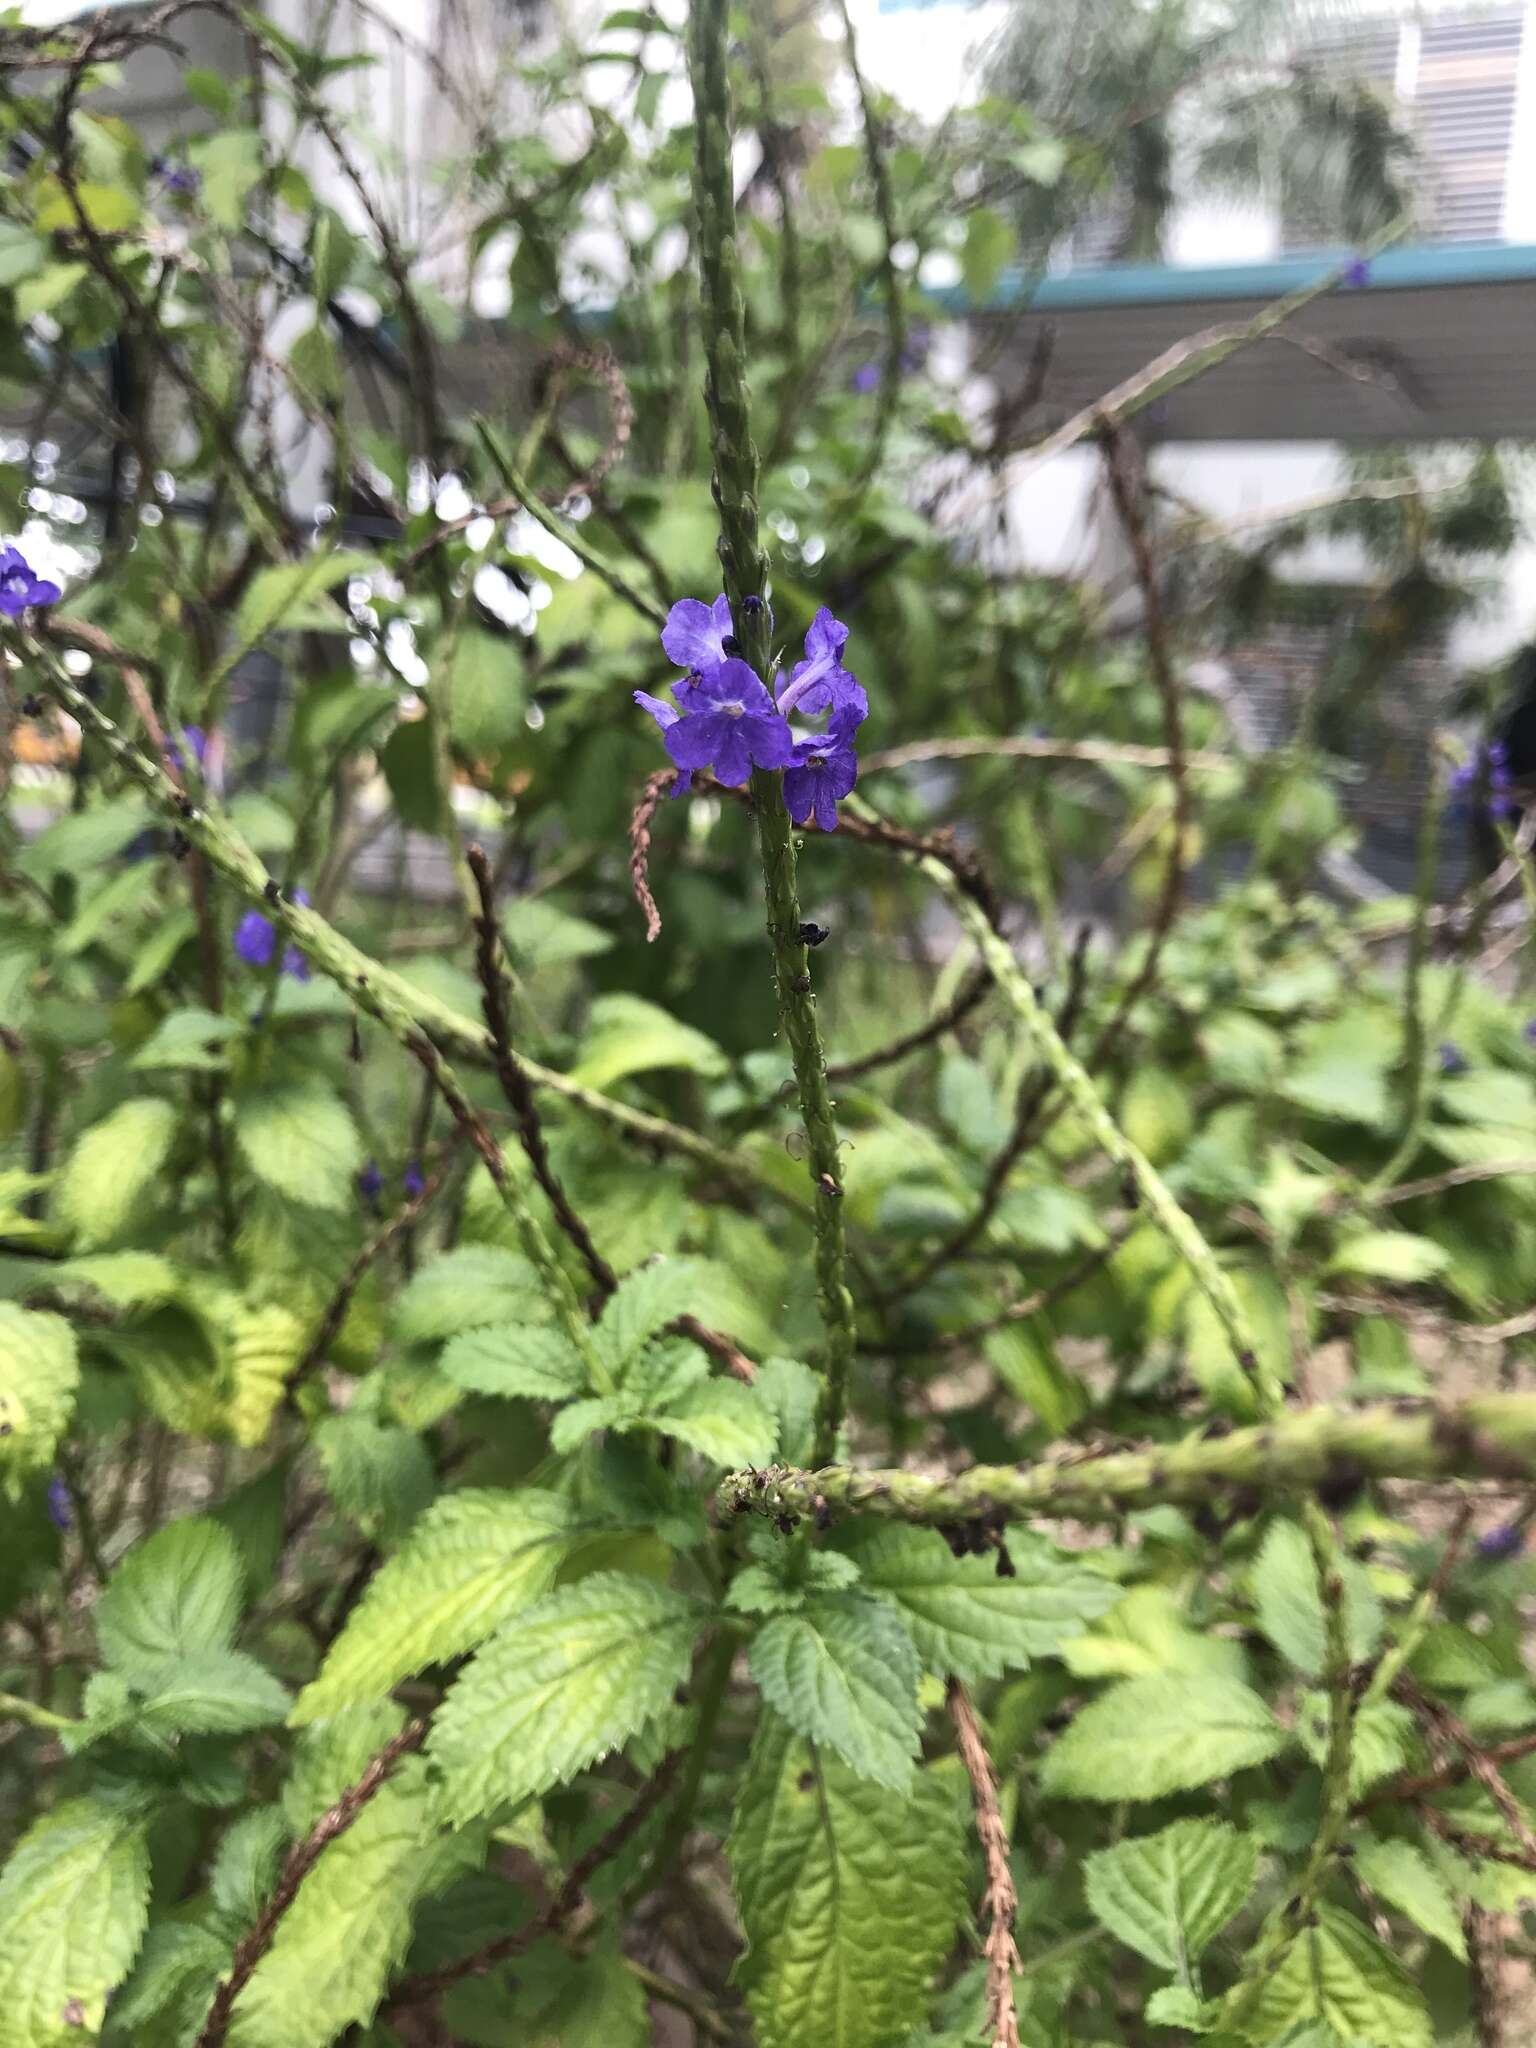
(745,572)
(1078,1087)
(890,283)
(14,1708)
(563,530)
(1490,1436)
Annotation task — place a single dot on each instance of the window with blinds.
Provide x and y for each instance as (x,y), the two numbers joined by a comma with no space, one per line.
(1457,77)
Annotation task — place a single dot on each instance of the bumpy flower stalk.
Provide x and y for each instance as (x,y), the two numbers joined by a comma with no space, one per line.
(745,574)
(1490,1436)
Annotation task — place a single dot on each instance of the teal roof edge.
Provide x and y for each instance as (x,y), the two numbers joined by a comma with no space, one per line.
(1152,284)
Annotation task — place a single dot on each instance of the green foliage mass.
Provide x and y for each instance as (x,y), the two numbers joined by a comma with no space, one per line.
(390,1274)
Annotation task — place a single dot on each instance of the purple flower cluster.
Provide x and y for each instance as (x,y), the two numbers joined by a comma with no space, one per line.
(1486,774)
(370,1182)
(20,585)
(726,720)
(1497,1545)
(256,942)
(61,1506)
(176,176)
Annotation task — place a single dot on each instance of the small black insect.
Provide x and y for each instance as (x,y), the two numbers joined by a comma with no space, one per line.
(181,846)
(730,644)
(813,934)
(801,984)
(272,893)
(32,706)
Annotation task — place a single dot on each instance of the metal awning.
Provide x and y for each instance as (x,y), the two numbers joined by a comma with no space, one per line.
(1439,342)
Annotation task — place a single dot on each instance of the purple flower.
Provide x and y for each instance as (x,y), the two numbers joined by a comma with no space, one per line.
(1530,1031)
(176,176)
(1506,1541)
(1452,1059)
(370,1182)
(698,636)
(414,1180)
(824,769)
(1486,773)
(256,941)
(20,586)
(915,354)
(196,745)
(820,682)
(866,378)
(1357,274)
(730,725)
(61,1509)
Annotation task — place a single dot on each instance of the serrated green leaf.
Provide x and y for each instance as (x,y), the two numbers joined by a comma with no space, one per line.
(349,1926)
(1403,1875)
(790,1391)
(74,1899)
(472,1561)
(1175,2005)
(1284,1581)
(39,1374)
(627,1035)
(558,1687)
(849,1893)
(176,1593)
(842,1671)
(1397,1256)
(722,1420)
(101,1190)
(526,1360)
(1336,1972)
(263,1343)
(189,1041)
(210,1692)
(966,1620)
(591,2001)
(246,1867)
(1152,1736)
(173,1983)
(303,1143)
(378,1474)
(469,1288)
(541,935)
(1168,1895)
(647,1300)
(126,1280)
(489,695)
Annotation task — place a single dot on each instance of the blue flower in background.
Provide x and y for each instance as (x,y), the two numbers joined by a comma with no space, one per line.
(415,1180)
(1486,774)
(370,1182)
(176,176)
(196,745)
(256,942)
(1452,1059)
(731,726)
(20,585)
(61,1508)
(1357,274)
(1506,1541)
(1530,1030)
(866,378)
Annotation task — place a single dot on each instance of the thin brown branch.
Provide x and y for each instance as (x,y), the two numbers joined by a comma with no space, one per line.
(1002,1901)
(515,1085)
(1101,753)
(1452,1771)
(944,1020)
(560,1909)
(302,1858)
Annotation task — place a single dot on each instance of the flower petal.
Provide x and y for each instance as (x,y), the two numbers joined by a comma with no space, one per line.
(769,741)
(733,682)
(733,759)
(694,633)
(695,741)
(665,715)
